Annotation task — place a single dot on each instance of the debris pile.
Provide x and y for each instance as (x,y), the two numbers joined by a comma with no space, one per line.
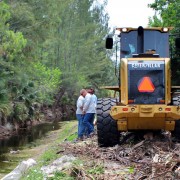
(149,158)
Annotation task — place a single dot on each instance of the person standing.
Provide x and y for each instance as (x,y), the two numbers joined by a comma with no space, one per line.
(88,111)
(94,98)
(80,115)
(95,101)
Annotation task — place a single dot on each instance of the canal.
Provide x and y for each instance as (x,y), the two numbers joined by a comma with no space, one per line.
(10,149)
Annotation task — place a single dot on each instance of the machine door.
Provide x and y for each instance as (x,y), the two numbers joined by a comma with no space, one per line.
(146,83)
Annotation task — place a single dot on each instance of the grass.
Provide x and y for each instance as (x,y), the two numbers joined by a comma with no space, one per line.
(60,175)
(99,169)
(47,152)
(48,156)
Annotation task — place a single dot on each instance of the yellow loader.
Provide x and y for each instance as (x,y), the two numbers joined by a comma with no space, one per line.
(146,101)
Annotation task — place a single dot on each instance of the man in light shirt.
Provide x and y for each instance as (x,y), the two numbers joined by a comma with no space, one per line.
(80,115)
(94,97)
(88,111)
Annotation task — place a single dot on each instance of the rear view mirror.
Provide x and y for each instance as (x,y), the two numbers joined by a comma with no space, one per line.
(177,43)
(109,42)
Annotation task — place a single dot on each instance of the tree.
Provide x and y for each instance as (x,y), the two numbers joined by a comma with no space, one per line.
(64,38)
(168,13)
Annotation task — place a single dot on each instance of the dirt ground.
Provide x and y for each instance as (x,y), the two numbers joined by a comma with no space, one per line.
(147,157)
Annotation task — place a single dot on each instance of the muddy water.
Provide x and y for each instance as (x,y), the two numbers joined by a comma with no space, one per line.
(23,140)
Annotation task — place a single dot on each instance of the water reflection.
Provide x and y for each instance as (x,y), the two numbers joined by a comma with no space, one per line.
(23,140)
(25,137)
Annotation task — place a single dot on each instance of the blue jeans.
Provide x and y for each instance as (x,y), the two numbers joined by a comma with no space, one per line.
(87,127)
(91,120)
(80,123)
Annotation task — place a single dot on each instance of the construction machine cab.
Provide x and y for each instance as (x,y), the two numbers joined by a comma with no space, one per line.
(141,40)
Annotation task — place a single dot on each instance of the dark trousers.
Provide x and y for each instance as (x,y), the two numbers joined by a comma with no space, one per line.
(87,125)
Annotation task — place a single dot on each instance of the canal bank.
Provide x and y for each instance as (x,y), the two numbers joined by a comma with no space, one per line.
(36,148)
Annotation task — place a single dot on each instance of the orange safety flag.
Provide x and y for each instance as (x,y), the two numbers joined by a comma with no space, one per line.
(146,85)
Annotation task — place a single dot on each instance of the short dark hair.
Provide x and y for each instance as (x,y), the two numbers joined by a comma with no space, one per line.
(92,90)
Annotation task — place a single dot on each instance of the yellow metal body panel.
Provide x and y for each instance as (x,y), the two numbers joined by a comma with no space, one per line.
(145,124)
(124,82)
(134,117)
(142,116)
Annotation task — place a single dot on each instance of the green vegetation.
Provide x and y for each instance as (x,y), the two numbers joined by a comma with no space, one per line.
(50,154)
(61,175)
(99,169)
(49,50)
(168,15)
(68,133)
(34,173)
(72,137)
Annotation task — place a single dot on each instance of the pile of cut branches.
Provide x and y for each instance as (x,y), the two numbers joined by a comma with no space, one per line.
(149,158)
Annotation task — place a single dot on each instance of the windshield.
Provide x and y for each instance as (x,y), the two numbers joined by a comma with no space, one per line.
(154,40)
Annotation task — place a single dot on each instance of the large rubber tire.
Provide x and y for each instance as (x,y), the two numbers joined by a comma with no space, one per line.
(107,131)
(176,131)
(176,101)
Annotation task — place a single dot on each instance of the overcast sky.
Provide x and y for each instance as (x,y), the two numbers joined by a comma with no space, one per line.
(129,13)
